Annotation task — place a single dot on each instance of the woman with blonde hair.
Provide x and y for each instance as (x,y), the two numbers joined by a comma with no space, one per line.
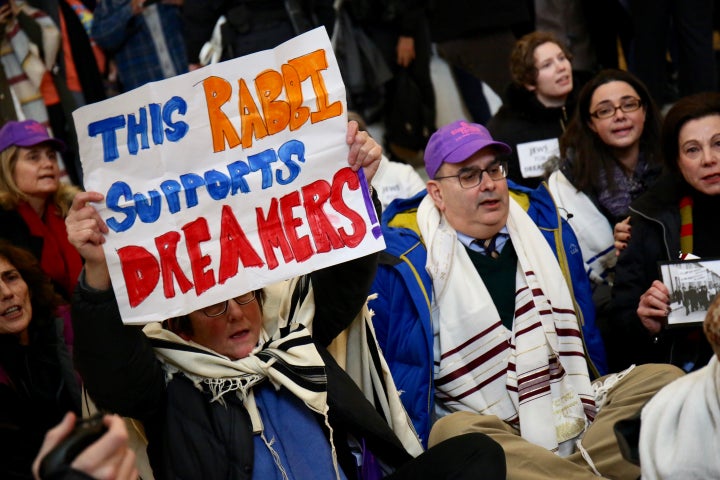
(33,201)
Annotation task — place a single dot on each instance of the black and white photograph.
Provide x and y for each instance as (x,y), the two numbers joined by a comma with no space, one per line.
(693,285)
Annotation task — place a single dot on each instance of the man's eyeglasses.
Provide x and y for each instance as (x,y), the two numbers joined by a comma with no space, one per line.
(220,308)
(472,177)
(608,110)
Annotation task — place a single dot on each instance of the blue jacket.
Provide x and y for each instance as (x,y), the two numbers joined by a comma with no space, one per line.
(402,309)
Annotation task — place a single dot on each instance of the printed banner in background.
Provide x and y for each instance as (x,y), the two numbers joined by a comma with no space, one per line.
(226,179)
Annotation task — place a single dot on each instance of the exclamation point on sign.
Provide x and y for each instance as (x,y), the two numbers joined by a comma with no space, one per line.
(377,232)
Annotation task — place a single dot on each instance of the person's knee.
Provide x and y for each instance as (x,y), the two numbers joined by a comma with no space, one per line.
(460,423)
(662,373)
(478,455)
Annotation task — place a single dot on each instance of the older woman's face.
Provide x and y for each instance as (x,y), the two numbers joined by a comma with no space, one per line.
(699,154)
(234,333)
(36,171)
(15,306)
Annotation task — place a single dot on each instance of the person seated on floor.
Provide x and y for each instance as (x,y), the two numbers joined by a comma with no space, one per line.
(675,441)
(221,397)
(402,270)
(496,342)
(676,217)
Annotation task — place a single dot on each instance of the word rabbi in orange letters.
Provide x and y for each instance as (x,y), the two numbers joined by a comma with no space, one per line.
(276,114)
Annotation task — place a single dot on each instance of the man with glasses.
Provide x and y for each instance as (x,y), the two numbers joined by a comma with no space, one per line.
(484,308)
(230,391)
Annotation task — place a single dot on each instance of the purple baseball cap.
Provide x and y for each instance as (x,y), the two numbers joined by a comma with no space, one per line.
(456,143)
(27,133)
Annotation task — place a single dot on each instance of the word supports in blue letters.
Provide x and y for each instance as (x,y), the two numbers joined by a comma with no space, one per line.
(120,197)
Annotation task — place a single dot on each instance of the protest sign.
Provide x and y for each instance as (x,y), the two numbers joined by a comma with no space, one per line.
(226,179)
(533,156)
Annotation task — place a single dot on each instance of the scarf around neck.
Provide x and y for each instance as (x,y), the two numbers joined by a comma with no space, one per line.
(289,359)
(535,376)
(58,259)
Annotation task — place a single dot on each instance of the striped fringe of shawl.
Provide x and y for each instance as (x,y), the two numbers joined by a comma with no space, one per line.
(356,351)
(535,376)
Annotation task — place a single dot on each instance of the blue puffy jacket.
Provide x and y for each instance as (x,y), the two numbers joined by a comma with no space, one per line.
(402,318)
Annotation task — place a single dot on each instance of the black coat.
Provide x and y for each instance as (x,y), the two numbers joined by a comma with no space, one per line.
(38,386)
(522,118)
(655,237)
(16,231)
(193,438)
(252,25)
(464,18)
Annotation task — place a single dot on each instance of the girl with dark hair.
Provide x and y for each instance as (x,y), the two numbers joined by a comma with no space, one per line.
(610,156)
(38,385)
(674,218)
(233,391)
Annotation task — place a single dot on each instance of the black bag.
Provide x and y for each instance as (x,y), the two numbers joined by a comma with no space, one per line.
(410,120)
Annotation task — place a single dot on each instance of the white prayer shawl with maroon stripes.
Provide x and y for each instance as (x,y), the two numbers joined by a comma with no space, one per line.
(533,377)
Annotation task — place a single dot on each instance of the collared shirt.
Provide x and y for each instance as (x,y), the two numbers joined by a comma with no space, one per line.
(472,244)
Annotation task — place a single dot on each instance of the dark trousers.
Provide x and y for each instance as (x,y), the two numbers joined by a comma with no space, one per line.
(469,456)
(692,23)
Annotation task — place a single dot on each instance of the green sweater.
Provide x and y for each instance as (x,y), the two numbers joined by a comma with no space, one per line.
(498,274)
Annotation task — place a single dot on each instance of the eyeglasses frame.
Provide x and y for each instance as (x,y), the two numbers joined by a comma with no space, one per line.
(502,164)
(618,107)
(226,302)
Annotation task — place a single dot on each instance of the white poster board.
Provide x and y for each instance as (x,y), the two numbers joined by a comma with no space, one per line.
(226,179)
(533,155)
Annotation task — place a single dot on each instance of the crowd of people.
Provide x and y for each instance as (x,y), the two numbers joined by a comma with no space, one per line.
(517,320)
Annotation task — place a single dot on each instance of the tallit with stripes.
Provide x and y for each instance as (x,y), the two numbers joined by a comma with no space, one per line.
(288,359)
(535,376)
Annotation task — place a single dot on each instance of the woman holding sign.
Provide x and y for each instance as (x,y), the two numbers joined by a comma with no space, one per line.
(676,217)
(221,397)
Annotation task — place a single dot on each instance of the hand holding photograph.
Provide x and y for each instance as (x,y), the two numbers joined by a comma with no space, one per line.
(693,284)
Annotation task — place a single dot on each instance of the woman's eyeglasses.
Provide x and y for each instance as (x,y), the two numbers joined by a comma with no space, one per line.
(220,308)
(607,110)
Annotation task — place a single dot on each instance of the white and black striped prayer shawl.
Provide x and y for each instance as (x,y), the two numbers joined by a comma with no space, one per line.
(534,377)
(289,359)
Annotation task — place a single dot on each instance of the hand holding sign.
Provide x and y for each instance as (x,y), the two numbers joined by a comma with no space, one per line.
(228,178)
(86,232)
(363,153)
